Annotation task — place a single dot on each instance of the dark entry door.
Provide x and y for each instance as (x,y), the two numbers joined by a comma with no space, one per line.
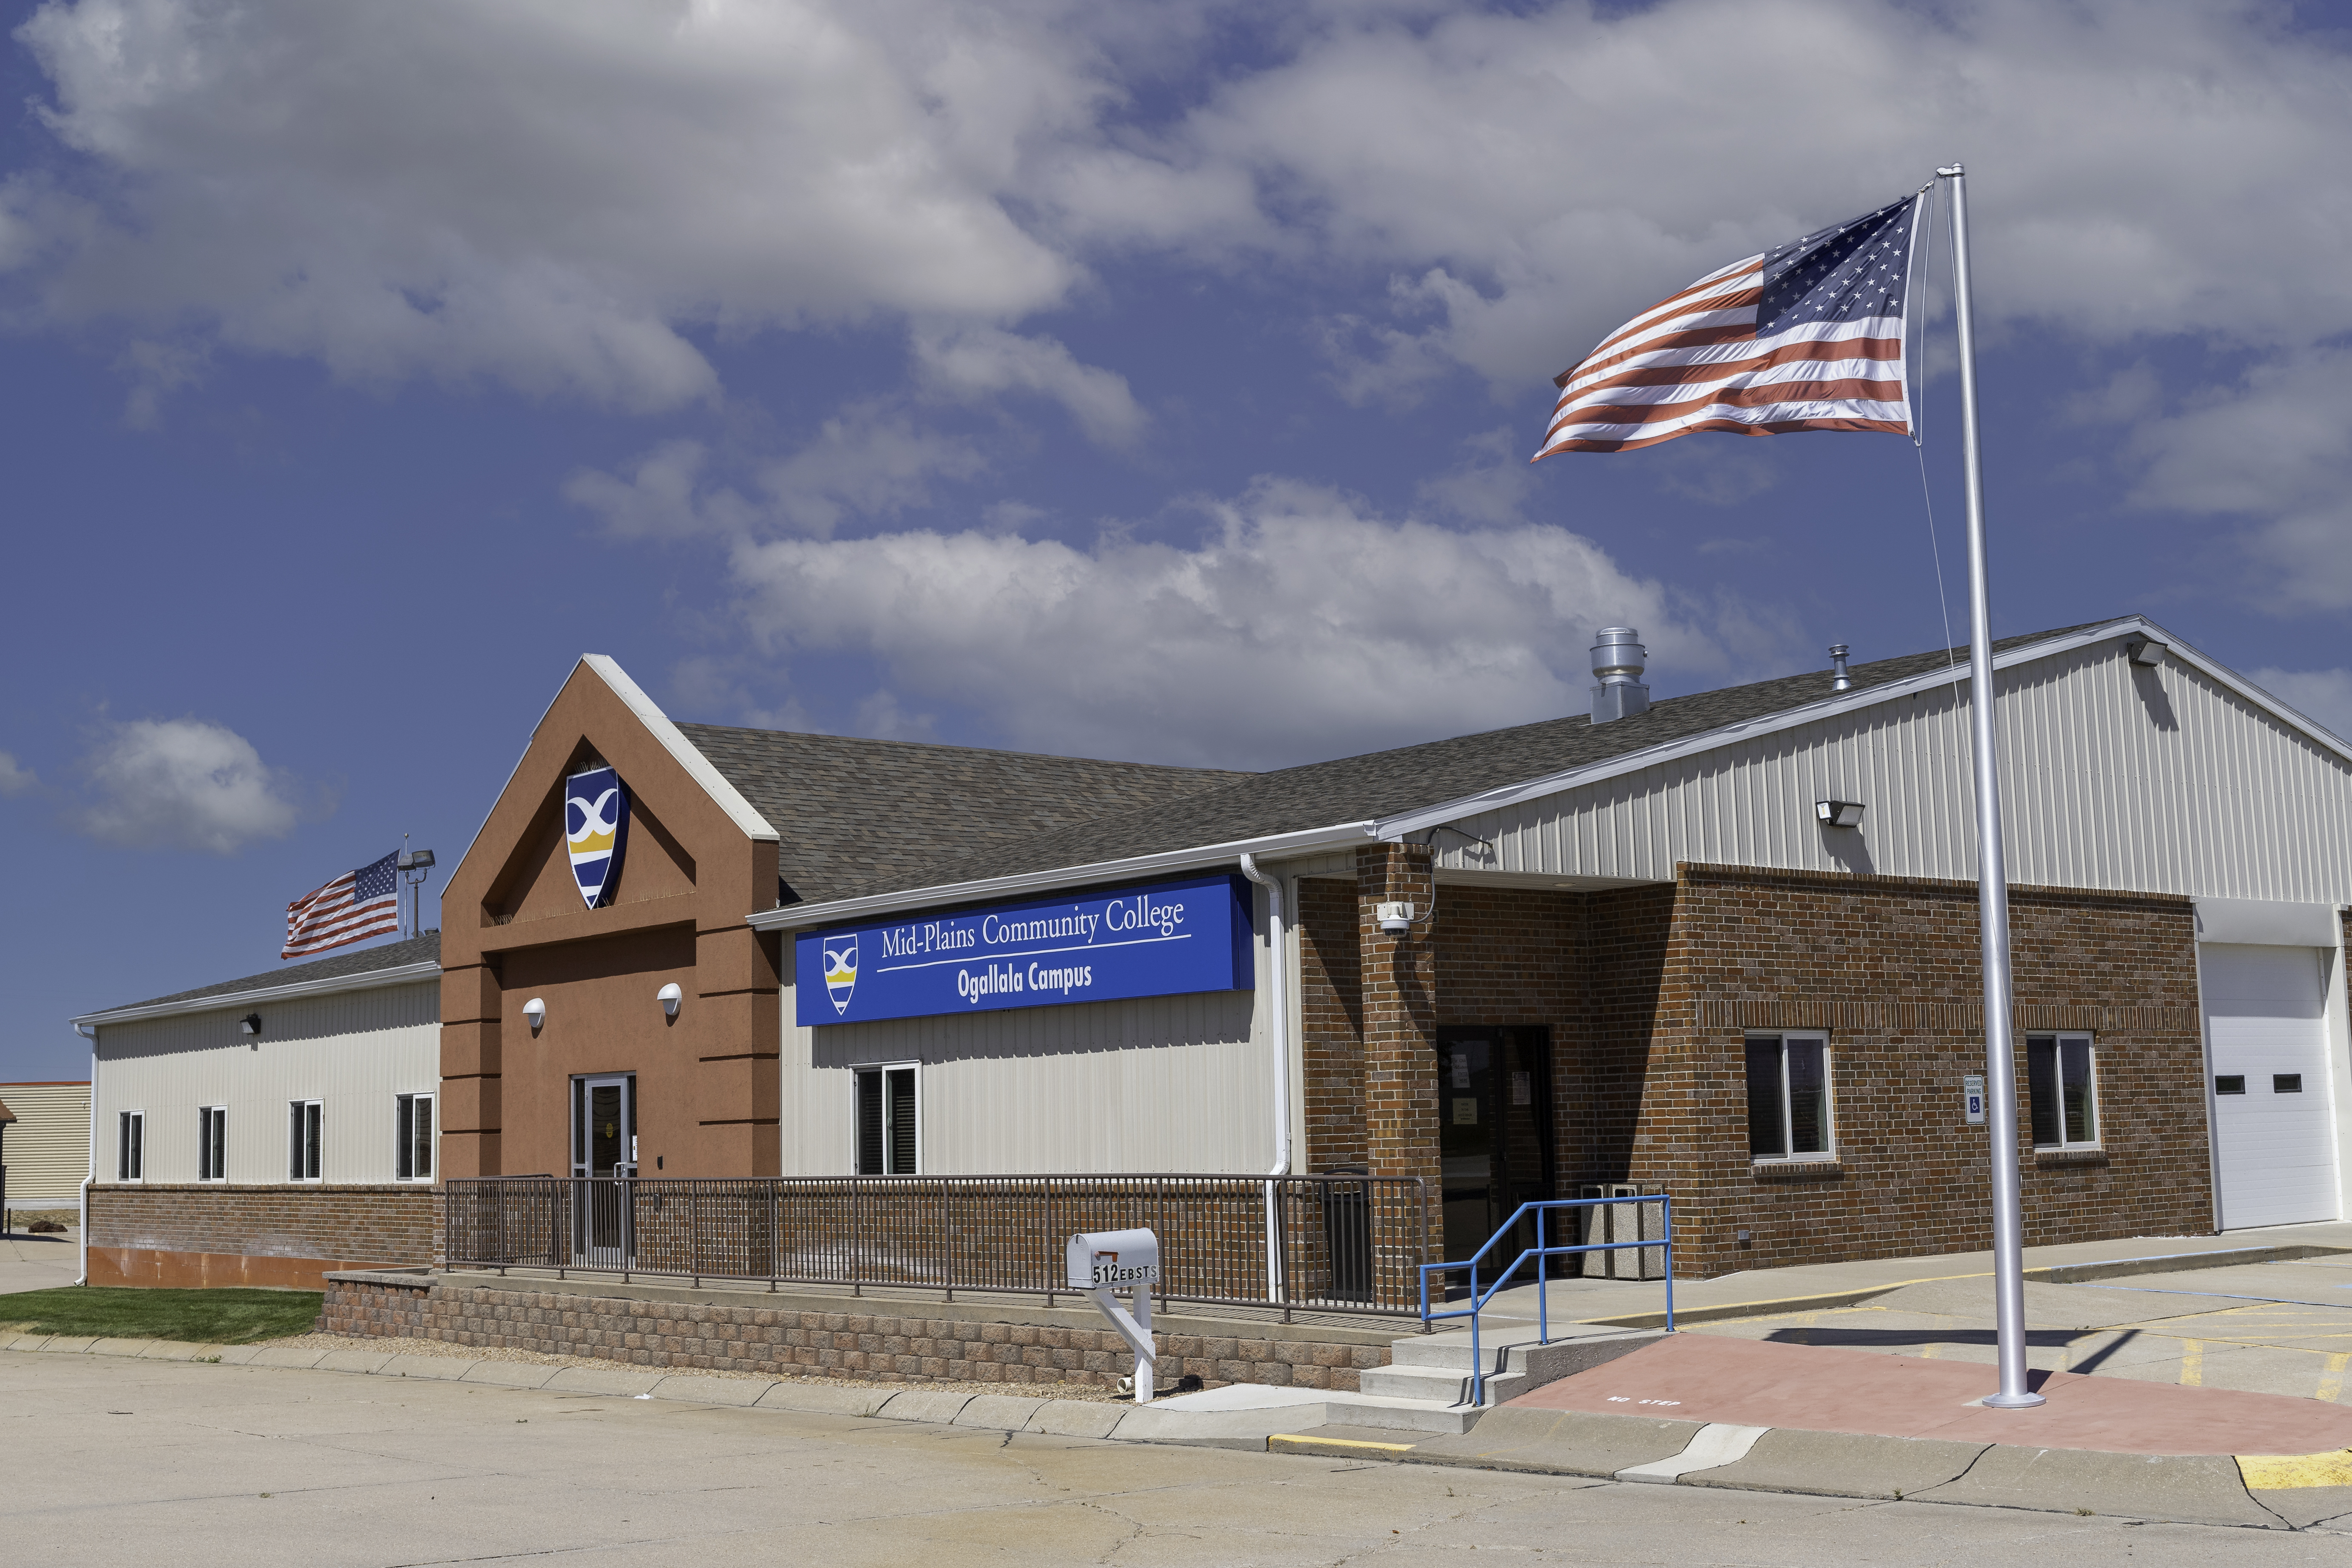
(603,1151)
(1494,1132)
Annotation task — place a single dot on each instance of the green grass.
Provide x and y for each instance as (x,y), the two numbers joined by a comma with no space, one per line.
(204,1317)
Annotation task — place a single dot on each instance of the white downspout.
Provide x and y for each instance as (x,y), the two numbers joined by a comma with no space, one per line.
(91,1174)
(1278,1028)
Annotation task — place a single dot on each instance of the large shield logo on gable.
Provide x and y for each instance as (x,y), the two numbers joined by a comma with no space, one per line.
(596,831)
(841,969)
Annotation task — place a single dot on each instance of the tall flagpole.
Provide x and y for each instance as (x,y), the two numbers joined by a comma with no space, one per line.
(1993,875)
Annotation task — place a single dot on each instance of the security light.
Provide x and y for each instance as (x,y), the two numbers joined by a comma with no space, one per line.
(415,859)
(669,996)
(249,1025)
(2147,652)
(1395,918)
(1839,813)
(535,1012)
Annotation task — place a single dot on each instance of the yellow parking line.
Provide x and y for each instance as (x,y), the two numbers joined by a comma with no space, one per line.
(2193,1362)
(1302,1441)
(2331,1381)
(2288,1472)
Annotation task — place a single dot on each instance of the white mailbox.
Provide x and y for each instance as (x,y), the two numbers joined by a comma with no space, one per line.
(1107,1260)
(1113,1259)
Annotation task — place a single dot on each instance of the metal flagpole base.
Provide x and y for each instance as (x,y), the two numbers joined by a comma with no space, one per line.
(2012,1401)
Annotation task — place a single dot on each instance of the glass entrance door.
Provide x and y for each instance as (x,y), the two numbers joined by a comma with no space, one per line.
(605,1165)
(1494,1133)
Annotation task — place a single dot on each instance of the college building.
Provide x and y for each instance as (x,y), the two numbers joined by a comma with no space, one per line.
(1722,946)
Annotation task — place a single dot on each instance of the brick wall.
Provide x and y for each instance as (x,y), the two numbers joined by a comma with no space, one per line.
(1889,966)
(207,1234)
(1331,1024)
(782,1342)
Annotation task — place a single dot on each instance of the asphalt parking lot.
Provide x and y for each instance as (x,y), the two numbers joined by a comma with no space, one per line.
(113,1459)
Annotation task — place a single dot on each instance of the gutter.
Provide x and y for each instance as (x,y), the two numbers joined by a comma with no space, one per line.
(366,980)
(842,911)
(91,1174)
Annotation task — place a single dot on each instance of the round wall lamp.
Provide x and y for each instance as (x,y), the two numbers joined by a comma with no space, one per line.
(535,1012)
(669,996)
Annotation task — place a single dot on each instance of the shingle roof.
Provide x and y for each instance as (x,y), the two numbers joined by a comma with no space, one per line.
(1387,783)
(848,812)
(423,949)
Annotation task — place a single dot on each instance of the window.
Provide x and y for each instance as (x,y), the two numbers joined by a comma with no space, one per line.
(2066,1100)
(888,1124)
(2286,1083)
(1788,1097)
(212,1143)
(413,1130)
(303,1140)
(131,1146)
(2229,1083)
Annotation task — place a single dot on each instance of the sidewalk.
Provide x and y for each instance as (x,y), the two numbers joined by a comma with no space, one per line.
(39,1262)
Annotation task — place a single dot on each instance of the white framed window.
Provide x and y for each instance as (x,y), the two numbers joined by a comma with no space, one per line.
(212,1143)
(2062,1082)
(412,1124)
(302,1119)
(1791,1109)
(131,1146)
(890,1120)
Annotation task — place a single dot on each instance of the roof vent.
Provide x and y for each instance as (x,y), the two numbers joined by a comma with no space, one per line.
(1839,680)
(1618,657)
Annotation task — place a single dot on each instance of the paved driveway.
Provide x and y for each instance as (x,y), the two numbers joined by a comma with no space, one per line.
(37,1262)
(2265,1327)
(116,1460)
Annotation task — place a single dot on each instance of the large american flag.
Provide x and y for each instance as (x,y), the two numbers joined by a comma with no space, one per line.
(353,907)
(1808,336)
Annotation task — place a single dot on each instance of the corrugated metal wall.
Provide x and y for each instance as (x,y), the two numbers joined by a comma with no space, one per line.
(2113,776)
(1165,1083)
(353,1050)
(47,1149)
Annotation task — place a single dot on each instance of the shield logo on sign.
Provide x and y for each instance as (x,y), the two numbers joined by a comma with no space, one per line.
(596,830)
(841,969)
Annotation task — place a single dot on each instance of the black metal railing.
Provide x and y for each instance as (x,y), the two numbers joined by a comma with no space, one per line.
(1324,1244)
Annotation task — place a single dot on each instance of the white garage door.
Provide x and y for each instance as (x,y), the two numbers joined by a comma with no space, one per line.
(2273,1128)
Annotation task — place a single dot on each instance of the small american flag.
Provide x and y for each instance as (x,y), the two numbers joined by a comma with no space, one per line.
(1808,336)
(353,907)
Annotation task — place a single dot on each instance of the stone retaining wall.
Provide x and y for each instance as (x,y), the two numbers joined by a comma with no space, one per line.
(783,1342)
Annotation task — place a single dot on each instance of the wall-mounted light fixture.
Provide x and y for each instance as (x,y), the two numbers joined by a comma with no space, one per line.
(1395,918)
(2147,652)
(669,996)
(535,1013)
(1838,812)
(249,1025)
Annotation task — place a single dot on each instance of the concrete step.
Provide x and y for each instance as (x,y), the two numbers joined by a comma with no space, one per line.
(1449,1351)
(1422,1366)
(1435,1385)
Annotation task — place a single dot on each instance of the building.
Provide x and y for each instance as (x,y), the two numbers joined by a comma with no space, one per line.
(263,1130)
(44,1149)
(1722,945)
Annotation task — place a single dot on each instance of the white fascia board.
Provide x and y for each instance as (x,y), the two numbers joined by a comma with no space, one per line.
(367,980)
(1791,718)
(793,916)
(697,766)
(731,799)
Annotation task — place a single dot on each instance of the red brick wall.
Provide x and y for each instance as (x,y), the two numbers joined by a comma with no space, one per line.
(1331,1024)
(1889,966)
(1400,979)
(202,1233)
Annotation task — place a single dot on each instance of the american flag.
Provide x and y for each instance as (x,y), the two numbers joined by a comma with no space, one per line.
(1808,336)
(353,907)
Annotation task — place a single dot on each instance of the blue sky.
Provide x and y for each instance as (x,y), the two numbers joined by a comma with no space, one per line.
(1143,381)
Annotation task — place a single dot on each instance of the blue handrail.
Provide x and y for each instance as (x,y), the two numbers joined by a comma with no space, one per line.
(1541,1253)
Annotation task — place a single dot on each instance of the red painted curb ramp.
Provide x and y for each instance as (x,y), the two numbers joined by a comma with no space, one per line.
(1818,1388)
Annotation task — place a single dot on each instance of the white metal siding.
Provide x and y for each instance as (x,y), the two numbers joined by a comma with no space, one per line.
(48,1148)
(1163,1083)
(2113,776)
(353,1050)
(2274,1153)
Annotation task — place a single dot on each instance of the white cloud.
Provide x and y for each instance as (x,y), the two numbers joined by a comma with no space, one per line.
(545,192)
(2273,451)
(2325,695)
(975,363)
(1297,628)
(866,461)
(15,777)
(182,784)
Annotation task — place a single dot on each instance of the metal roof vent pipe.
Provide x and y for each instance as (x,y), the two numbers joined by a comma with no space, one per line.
(1839,680)
(1618,657)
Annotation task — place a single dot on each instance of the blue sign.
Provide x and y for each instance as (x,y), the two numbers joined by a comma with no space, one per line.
(1160,940)
(596,830)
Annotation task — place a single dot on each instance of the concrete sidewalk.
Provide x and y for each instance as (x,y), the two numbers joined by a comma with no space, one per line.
(39,1262)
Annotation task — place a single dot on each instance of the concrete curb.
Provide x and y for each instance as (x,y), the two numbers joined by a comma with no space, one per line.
(2291,1491)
